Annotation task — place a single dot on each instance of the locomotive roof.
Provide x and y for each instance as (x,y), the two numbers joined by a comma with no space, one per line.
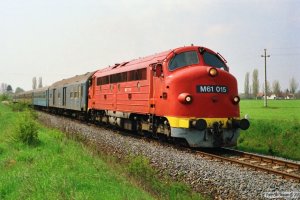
(141,62)
(75,79)
(133,64)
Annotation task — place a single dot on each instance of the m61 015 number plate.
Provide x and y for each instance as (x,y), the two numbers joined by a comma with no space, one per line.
(212,89)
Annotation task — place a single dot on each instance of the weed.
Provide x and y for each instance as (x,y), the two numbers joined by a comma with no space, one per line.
(19,107)
(4,97)
(27,131)
(139,166)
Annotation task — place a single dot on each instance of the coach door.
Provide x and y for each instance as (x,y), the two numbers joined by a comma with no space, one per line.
(47,97)
(64,96)
(54,91)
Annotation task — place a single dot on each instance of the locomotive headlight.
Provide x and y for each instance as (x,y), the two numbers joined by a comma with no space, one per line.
(188,99)
(213,72)
(185,98)
(236,99)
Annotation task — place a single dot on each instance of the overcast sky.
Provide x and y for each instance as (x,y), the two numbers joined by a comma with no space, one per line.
(56,39)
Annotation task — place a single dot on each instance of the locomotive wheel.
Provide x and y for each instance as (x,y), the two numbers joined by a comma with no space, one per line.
(162,138)
(139,130)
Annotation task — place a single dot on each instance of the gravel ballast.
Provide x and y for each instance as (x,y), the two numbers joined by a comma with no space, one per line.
(219,180)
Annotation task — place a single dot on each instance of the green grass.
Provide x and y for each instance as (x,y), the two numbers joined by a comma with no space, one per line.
(274,130)
(60,168)
(286,110)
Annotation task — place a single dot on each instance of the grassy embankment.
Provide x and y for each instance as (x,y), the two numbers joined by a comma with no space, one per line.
(274,130)
(47,165)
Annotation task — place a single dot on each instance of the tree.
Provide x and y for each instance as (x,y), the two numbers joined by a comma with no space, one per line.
(287,92)
(3,87)
(18,90)
(246,86)
(293,85)
(34,83)
(40,82)
(276,88)
(9,88)
(255,83)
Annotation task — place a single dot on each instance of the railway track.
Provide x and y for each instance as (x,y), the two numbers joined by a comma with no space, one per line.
(282,168)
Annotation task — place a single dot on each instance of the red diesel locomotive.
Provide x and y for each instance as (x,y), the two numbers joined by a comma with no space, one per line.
(185,93)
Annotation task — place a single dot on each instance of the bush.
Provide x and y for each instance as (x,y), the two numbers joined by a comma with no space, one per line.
(4,97)
(140,167)
(19,107)
(27,131)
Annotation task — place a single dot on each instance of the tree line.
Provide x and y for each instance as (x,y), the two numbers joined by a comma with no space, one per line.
(6,88)
(252,91)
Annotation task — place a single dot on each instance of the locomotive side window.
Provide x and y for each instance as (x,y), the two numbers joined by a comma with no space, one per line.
(183,59)
(103,80)
(124,77)
(99,81)
(214,61)
(134,75)
(140,74)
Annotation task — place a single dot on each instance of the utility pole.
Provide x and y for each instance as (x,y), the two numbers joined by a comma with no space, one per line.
(265,56)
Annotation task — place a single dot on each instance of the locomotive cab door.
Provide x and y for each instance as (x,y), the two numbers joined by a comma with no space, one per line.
(156,82)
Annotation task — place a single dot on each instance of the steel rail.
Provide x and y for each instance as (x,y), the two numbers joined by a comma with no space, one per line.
(253,157)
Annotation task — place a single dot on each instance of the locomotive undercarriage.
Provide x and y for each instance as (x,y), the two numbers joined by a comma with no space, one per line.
(146,125)
(159,127)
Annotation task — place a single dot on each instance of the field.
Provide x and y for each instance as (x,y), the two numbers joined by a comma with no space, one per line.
(55,167)
(274,130)
(48,165)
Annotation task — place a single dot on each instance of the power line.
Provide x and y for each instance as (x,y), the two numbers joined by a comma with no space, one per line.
(286,54)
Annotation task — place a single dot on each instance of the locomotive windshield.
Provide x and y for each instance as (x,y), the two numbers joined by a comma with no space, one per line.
(183,59)
(214,61)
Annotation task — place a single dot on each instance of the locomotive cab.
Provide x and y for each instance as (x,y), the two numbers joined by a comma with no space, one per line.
(199,97)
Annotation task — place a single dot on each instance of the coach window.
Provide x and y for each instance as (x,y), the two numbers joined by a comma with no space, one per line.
(183,59)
